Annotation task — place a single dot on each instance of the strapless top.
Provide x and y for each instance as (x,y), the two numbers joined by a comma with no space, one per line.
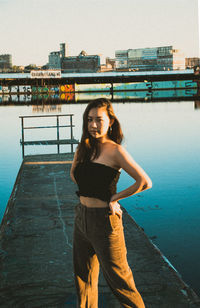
(96,180)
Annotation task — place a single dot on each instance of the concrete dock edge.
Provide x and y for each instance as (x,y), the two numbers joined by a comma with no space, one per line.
(36,246)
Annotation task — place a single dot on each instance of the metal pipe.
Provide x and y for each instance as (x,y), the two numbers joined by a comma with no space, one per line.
(58,146)
(22,141)
(57,126)
(71,129)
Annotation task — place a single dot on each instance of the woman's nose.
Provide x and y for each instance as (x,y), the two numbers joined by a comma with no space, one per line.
(94,124)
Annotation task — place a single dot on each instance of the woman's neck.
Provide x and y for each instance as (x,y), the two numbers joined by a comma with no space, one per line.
(104,139)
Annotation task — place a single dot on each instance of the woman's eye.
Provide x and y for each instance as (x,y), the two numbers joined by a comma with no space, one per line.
(89,120)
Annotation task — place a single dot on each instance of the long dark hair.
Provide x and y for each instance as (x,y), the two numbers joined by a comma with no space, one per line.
(89,147)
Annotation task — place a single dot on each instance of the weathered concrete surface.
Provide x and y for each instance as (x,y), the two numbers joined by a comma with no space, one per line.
(36,246)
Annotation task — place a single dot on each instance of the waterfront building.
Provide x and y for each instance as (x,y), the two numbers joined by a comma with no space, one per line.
(156,59)
(121,59)
(55,57)
(111,62)
(192,62)
(109,66)
(54,60)
(63,50)
(5,62)
(82,63)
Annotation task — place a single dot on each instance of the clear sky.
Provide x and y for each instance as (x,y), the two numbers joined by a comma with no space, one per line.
(31,29)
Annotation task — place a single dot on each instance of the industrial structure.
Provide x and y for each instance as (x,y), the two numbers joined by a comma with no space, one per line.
(55,57)
(82,63)
(147,59)
(5,62)
(54,60)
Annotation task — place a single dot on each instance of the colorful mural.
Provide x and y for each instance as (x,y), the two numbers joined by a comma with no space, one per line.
(67,88)
(67,96)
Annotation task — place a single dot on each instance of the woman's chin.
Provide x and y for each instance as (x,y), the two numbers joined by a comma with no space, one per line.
(95,135)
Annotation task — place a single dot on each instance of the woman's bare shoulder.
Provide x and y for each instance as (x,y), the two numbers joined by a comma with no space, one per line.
(112,148)
(119,149)
(115,153)
(121,155)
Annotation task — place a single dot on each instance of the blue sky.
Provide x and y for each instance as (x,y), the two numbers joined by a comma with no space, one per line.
(31,29)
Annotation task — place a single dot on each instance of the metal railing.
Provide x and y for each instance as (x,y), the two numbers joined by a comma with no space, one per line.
(57,141)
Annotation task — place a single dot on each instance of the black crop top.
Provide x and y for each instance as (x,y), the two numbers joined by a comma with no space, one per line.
(96,180)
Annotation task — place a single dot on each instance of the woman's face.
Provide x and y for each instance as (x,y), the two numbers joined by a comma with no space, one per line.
(98,122)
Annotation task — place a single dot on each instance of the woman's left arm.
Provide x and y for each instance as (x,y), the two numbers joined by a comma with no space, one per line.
(73,167)
(127,163)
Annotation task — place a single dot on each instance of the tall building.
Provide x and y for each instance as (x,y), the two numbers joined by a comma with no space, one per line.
(5,62)
(54,60)
(55,57)
(145,59)
(63,50)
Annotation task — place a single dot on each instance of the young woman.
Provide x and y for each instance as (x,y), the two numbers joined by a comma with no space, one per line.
(98,229)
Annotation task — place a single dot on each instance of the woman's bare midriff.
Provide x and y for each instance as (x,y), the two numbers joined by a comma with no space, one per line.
(93,202)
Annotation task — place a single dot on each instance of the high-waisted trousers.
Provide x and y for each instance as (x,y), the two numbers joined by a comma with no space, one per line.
(99,239)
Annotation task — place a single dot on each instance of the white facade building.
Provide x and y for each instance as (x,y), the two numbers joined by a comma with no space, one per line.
(155,58)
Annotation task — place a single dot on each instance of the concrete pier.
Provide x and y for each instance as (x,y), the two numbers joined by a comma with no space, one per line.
(36,246)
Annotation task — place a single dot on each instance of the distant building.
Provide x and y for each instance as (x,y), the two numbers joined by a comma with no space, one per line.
(108,66)
(55,57)
(146,59)
(81,64)
(192,62)
(111,62)
(5,62)
(121,59)
(73,64)
(63,50)
(54,60)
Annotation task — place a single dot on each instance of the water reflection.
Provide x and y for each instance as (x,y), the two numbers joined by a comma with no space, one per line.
(43,103)
(138,91)
(45,108)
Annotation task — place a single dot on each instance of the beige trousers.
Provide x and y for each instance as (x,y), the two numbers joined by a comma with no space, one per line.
(99,239)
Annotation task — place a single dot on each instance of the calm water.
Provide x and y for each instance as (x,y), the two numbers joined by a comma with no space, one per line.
(164,139)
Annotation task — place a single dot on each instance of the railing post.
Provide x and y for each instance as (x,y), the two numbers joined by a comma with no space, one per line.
(22,125)
(58,137)
(57,126)
(71,129)
(111,91)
